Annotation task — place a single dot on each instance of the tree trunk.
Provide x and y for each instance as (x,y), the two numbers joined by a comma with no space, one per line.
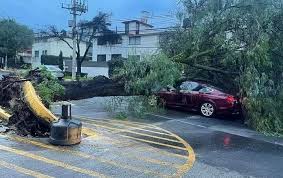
(79,69)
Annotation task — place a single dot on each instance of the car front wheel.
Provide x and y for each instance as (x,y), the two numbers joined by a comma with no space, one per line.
(207,109)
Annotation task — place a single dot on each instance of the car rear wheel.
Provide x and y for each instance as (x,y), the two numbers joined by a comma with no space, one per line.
(207,109)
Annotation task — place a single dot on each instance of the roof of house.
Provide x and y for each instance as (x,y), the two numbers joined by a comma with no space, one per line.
(138,21)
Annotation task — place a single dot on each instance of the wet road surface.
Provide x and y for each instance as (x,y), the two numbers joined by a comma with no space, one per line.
(170,145)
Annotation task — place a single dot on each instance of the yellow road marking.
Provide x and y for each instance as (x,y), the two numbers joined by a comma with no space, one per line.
(50,161)
(156,143)
(89,132)
(23,170)
(136,133)
(136,124)
(150,149)
(191,159)
(132,127)
(159,151)
(83,155)
(154,161)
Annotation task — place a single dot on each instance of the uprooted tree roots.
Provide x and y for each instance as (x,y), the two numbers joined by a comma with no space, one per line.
(23,121)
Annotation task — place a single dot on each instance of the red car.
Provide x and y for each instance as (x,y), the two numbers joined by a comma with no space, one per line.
(194,96)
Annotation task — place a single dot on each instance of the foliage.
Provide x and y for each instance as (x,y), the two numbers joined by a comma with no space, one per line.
(14,37)
(48,87)
(50,60)
(149,75)
(236,45)
(145,77)
(114,64)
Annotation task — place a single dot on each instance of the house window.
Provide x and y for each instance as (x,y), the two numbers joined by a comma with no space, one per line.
(135,57)
(36,53)
(101,58)
(135,40)
(116,56)
(44,52)
(127,28)
(137,28)
(101,41)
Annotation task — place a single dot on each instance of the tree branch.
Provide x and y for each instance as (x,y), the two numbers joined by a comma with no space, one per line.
(212,69)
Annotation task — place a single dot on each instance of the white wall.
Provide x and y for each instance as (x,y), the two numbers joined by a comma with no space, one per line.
(95,71)
(149,45)
(54,46)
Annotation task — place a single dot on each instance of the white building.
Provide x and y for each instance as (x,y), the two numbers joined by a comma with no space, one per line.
(139,39)
(52,46)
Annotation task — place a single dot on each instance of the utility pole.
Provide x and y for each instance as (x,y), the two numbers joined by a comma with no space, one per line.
(76,7)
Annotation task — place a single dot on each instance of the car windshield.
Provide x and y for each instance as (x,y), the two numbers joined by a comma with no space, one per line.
(190,86)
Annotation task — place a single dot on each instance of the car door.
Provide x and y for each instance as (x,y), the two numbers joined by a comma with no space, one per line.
(173,98)
(189,96)
(189,99)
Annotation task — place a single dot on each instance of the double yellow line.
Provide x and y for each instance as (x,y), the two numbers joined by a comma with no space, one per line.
(49,161)
(23,170)
(81,154)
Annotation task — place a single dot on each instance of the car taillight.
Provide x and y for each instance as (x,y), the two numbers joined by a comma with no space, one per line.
(231,99)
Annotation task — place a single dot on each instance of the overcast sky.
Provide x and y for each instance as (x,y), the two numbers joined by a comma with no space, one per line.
(41,13)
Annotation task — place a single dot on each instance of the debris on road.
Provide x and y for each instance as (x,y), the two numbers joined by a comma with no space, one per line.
(12,96)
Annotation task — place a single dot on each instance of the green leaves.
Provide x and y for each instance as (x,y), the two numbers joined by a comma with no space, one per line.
(14,37)
(49,87)
(242,37)
(150,74)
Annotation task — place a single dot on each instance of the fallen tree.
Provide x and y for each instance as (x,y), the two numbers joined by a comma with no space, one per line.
(30,116)
(99,86)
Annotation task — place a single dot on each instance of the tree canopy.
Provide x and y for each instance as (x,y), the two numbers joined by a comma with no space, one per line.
(88,30)
(236,45)
(14,37)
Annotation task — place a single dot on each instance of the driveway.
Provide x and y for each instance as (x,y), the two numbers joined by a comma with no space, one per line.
(174,144)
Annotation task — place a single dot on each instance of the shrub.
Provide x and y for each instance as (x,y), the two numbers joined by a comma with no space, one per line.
(48,87)
(50,60)
(145,77)
(115,64)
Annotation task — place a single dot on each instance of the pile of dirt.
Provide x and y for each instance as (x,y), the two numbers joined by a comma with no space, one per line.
(23,121)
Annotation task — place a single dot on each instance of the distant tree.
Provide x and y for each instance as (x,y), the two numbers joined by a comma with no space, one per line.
(87,32)
(61,61)
(14,37)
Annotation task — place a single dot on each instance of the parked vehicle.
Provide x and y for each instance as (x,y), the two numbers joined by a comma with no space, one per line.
(195,96)
(55,71)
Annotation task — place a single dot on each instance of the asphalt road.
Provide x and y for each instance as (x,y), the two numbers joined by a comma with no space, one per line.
(223,147)
(173,144)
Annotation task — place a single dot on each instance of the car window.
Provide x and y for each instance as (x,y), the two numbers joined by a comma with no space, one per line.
(206,90)
(53,68)
(189,86)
